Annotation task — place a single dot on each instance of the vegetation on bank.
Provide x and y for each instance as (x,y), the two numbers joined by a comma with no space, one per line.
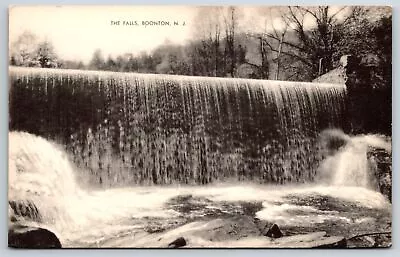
(308,42)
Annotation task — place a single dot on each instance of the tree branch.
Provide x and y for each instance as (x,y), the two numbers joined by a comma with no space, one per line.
(286,43)
(336,13)
(302,59)
(310,12)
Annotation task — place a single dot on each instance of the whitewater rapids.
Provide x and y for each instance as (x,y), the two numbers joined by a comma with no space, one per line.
(41,171)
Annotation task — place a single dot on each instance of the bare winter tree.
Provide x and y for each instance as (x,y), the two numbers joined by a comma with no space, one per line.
(230,24)
(264,49)
(217,51)
(314,28)
(208,32)
(263,67)
(279,33)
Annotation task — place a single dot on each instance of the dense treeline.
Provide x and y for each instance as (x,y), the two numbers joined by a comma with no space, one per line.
(305,43)
(308,43)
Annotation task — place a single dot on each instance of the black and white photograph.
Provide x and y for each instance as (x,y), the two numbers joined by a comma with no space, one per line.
(183,126)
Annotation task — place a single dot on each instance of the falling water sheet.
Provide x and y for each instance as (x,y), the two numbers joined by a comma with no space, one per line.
(192,129)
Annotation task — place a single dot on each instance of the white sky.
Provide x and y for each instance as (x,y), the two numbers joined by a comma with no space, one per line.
(77,31)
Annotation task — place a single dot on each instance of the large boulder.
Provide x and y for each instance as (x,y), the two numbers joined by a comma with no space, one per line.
(273,232)
(32,238)
(179,242)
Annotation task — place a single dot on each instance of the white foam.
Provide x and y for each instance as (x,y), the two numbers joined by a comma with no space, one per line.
(40,171)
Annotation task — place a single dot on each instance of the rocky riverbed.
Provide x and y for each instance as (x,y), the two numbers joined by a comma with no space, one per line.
(202,224)
(233,216)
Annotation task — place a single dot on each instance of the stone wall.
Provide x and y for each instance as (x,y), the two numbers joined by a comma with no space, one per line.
(369,110)
(369,102)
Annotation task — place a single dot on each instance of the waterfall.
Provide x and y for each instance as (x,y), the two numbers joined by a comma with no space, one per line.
(347,164)
(41,178)
(128,128)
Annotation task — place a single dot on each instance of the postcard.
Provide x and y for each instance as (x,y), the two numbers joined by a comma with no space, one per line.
(200,126)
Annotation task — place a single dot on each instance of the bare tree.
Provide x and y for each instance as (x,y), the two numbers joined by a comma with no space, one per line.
(278,33)
(264,47)
(217,50)
(230,24)
(208,31)
(314,28)
(314,41)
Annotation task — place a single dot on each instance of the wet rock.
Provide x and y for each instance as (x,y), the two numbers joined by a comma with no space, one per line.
(364,241)
(227,228)
(385,186)
(200,207)
(250,208)
(188,204)
(260,224)
(310,240)
(158,225)
(219,233)
(332,242)
(332,140)
(11,216)
(26,209)
(179,242)
(273,232)
(370,241)
(32,237)
(154,229)
(384,240)
(380,162)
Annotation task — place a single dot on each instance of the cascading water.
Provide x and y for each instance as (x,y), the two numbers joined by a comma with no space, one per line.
(41,173)
(349,166)
(135,130)
(157,129)
(41,177)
